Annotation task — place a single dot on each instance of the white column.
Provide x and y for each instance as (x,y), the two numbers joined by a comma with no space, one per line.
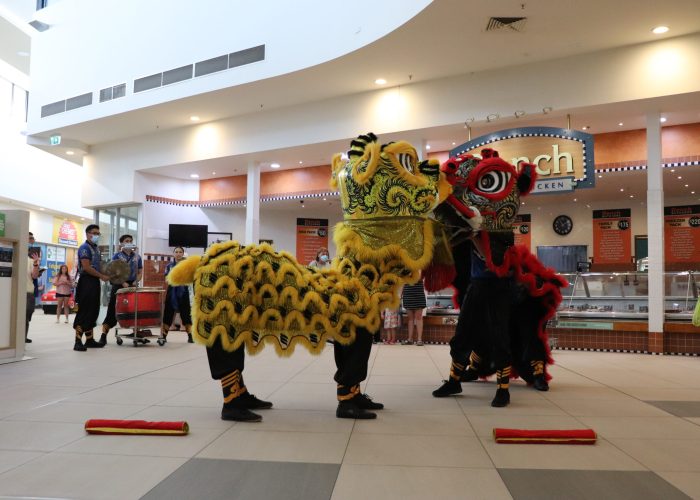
(252,212)
(655,224)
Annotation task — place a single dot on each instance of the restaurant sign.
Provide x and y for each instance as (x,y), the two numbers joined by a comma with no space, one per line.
(563,157)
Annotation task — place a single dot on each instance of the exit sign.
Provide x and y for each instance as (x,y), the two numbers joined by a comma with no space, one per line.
(55,140)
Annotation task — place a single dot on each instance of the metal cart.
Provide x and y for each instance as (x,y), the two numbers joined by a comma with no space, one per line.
(137,309)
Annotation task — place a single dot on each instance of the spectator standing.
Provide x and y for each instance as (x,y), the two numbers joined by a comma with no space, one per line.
(414,301)
(392,322)
(322,260)
(177,299)
(64,286)
(32,275)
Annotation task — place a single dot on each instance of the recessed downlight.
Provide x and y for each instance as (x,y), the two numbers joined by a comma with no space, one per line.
(660,30)
(663,119)
(194,176)
(620,124)
(194,118)
(380,81)
(70,153)
(427,146)
(274,165)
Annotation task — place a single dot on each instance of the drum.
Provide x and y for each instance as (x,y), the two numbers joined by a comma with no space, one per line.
(140,305)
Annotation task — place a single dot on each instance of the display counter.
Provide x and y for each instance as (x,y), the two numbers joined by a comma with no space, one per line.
(609,311)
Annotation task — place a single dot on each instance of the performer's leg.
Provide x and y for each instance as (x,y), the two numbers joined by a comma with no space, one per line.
(499,321)
(88,290)
(352,363)
(228,368)
(111,318)
(186,317)
(168,314)
(91,318)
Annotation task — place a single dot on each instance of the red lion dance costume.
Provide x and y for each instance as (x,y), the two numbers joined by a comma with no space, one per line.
(505,292)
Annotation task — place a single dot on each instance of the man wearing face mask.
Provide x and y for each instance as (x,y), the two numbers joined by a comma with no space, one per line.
(87,295)
(127,254)
(322,260)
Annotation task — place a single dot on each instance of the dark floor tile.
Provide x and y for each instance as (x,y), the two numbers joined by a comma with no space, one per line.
(678,408)
(243,479)
(543,484)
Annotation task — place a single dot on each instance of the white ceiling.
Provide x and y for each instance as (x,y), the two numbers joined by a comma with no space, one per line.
(448,38)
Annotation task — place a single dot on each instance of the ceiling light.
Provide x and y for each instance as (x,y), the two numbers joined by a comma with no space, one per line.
(70,153)
(586,127)
(194,176)
(631,196)
(620,124)
(680,177)
(686,185)
(380,81)
(660,30)
(600,177)
(518,114)
(213,173)
(662,119)
(575,199)
(194,118)
(453,143)
(324,199)
(673,170)
(622,189)
(427,146)
(274,165)
(692,192)
(300,162)
(492,117)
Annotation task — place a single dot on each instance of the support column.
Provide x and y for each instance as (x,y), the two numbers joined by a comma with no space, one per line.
(655,231)
(252,212)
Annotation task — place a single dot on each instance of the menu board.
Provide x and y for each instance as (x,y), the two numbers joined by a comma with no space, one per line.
(312,234)
(612,238)
(521,229)
(682,237)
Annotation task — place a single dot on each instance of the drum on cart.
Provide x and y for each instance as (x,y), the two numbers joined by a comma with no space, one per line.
(137,308)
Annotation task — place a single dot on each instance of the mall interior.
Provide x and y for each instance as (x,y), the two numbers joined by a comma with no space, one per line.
(191,123)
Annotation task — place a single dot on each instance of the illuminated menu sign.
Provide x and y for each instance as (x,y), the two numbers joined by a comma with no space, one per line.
(682,236)
(612,237)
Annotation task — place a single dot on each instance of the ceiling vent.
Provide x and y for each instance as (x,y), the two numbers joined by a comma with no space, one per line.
(506,24)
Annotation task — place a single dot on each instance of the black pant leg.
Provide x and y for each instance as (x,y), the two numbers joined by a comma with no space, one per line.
(461,344)
(168,311)
(31,305)
(185,310)
(111,317)
(87,296)
(352,361)
(222,362)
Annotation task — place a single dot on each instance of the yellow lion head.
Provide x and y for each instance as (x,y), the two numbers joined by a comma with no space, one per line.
(386,180)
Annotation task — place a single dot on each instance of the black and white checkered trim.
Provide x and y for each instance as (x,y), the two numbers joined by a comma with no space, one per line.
(159,257)
(240,202)
(644,167)
(630,351)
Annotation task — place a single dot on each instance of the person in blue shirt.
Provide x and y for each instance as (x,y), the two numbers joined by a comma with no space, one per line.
(177,299)
(87,294)
(126,254)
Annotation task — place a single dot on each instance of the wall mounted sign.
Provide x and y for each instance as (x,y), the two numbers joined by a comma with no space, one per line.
(2,224)
(66,232)
(564,158)
(521,229)
(682,237)
(612,238)
(312,234)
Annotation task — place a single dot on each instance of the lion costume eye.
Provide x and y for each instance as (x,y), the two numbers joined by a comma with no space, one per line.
(408,162)
(493,182)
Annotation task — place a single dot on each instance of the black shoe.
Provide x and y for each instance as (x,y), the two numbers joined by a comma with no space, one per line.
(348,409)
(540,383)
(364,402)
(189,339)
(79,346)
(501,399)
(239,415)
(449,388)
(468,375)
(27,341)
(103,339)
(250,402)
(93,343)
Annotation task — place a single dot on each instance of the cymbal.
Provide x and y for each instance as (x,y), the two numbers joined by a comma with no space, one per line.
(118,271)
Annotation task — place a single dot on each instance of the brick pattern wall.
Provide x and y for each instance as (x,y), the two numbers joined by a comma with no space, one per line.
(154,269)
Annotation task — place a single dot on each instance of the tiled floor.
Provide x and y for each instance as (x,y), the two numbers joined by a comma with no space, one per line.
(645,409)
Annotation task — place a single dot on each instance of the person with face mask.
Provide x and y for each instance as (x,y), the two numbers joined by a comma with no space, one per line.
(126,254)
(177,299)
(87,295)
(322,260)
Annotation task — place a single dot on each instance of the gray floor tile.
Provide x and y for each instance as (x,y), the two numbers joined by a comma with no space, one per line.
(242,479)
(543,484)
(679,408)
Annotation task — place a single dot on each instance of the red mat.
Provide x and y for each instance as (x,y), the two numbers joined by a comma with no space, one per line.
(524,436)
(97,426)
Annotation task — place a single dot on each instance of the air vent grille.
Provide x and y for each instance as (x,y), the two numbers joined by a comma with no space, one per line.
(201,68)
(506,24)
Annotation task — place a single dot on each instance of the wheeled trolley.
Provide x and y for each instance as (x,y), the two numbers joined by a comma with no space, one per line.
(138,309)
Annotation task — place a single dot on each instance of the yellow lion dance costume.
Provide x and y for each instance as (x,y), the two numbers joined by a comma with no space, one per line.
(252,295)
